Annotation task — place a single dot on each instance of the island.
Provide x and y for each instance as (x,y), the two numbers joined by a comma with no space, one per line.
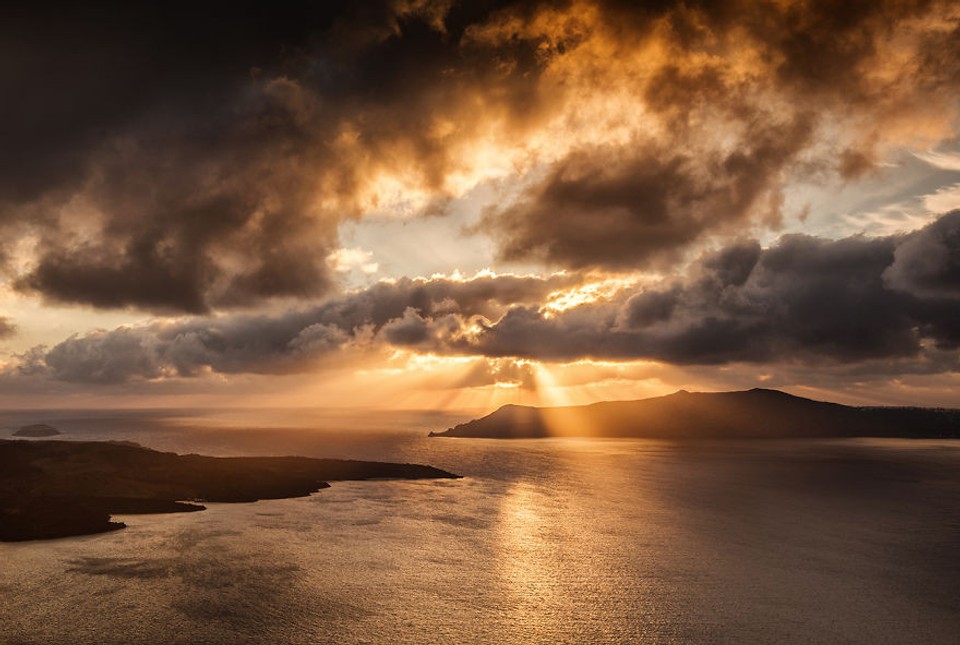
(53,489)
(37,430)
(756,413)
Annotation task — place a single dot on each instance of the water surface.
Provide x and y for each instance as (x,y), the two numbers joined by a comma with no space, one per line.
(549,541)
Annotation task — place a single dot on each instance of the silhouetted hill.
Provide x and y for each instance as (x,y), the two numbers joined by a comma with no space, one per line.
(756,413)
(54,489)
(37,430)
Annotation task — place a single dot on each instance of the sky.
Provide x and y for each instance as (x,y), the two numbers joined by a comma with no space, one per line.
(418,204)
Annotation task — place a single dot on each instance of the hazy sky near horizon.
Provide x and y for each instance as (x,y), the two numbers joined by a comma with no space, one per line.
(443,204)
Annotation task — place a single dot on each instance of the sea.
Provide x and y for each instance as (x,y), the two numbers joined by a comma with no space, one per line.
(542,541)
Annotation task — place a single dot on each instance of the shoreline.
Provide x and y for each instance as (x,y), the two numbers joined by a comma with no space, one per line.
(55,489)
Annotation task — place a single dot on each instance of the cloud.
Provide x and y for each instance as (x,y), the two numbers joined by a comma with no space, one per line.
(857,305)
(946,198)
(149,169)
(805,300)
(346,260)
(601,210)
(714,109)
(300,340)
(7,328)
(104,357)
(409,330)
(187,164)
(942,160)
(928,262)
(205,161)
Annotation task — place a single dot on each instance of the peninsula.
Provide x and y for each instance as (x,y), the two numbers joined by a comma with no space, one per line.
(757,413)
(52,489)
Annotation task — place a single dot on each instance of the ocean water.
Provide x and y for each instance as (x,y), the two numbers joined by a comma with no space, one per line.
(543,541)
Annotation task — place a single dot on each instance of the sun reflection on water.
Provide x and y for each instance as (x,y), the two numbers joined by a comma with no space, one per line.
(527,562)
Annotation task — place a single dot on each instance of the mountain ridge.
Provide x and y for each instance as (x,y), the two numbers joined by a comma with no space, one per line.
(754,413)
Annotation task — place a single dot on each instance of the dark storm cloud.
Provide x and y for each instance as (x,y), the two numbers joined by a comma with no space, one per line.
(410,330)
(183,157)
(600,209)
(928,263)
(805,300)
(136,146)
(405,313)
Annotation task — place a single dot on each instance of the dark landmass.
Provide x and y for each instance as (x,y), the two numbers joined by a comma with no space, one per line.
(756,413)
(52,489)
(37,430)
